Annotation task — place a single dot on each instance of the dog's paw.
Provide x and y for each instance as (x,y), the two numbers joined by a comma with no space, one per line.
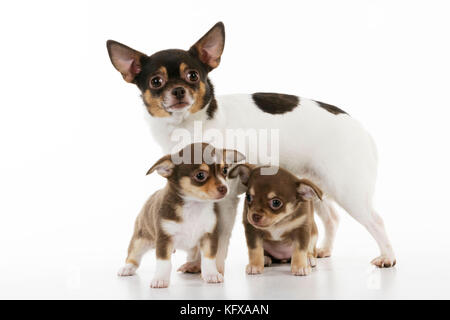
(300,271)
(384,261)
(312,261)
(323,252)
(190,267)
(127,270)
(159,283)
(213,277)
(252,269)
(267,261)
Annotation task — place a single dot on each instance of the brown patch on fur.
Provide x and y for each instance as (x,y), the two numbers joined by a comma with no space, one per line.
(204,167)
(275,103)
(154,105)
(198,96)
(330,108)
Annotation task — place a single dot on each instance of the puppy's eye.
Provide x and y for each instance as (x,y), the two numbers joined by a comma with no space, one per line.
(192,76)
(275,203)
(156,82)
(248,197)
(201,176)
(225,170)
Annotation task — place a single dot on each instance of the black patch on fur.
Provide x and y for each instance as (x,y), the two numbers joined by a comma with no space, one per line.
(275,103)
(330,108)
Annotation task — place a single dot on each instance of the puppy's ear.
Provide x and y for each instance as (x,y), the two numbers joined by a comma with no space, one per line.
(210,47)
(307,190)
(228,156)
(163,166)
(126,60)
(243,171)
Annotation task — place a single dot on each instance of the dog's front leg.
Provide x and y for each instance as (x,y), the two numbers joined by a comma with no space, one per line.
(226,218)
(164,249)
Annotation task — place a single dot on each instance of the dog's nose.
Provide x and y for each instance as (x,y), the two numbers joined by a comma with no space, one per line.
(256,217)
(222,189)
(179,92)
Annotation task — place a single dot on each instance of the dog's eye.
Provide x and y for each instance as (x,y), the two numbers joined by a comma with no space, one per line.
(275,203)
(225,170)
(156,82)
(248,197)
(201,176)
(192,76)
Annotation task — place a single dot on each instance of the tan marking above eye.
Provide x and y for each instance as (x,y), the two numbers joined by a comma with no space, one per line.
(183,68)
(204,167)
(163,71)
(271,195)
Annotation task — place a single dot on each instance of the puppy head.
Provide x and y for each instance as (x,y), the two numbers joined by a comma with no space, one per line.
(172,81)
(198,171)
(271,198)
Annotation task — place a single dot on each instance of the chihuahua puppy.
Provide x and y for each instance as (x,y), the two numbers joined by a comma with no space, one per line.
(279,219)
(183,215)
(317,140)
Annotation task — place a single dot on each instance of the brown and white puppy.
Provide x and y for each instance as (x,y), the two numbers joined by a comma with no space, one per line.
(183,215)
(279,219)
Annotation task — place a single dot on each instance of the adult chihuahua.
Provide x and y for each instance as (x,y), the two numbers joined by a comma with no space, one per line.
(317,141)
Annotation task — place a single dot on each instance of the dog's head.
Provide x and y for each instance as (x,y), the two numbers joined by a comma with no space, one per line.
(172,81)
(271,198)
(198,171)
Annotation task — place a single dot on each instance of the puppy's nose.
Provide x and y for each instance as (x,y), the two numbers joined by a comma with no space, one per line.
(179,92)
(256,217)
(222,189)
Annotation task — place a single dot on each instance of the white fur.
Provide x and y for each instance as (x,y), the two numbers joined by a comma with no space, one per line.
(161,277)
(332,150)
(209,270)
(198,218)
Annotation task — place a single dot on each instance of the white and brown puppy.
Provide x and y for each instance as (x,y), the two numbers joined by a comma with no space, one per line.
(279,219)
(316,140)
(183,215)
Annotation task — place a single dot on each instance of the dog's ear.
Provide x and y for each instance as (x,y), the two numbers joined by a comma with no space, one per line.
(163,166)
(306,190)
(243,171)
(210,47)
(126,60)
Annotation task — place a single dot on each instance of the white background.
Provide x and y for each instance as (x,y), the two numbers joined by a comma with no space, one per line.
(75,146)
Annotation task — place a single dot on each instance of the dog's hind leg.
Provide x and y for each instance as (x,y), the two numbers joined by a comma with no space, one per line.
(327,213)
(364,213)
(193,263)
(138,246)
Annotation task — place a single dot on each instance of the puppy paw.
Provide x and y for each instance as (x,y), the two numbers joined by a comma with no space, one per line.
(300,271)
(127,270)
(213,277)
(384,261)
(267,261)
(252,269)
(190,267)
(159,283)
(323,252)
